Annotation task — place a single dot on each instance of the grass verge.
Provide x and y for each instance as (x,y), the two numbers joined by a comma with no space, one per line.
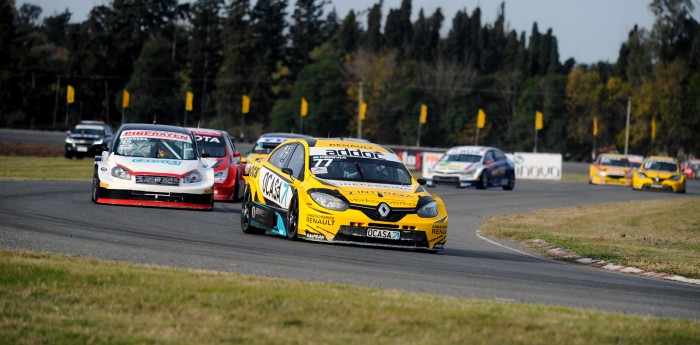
(659,235)
(45,168)
(56,299)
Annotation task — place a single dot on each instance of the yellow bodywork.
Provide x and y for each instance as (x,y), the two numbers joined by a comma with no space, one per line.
(610,169)
(383,214)
(659,173)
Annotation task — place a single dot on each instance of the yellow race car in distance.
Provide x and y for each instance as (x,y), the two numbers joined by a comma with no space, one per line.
(659,173)
(611,168)
(267,142)
(339,190)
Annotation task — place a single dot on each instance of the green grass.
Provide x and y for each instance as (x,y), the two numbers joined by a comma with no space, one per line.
(45,168)
(659,235)
(52,299)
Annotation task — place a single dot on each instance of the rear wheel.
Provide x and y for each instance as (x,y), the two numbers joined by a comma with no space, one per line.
(293,219)
(246,216)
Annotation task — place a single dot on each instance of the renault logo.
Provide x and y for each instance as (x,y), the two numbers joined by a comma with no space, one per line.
(383,210)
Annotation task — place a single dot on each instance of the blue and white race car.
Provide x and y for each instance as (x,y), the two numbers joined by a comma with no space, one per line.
(472,166)
(153,165)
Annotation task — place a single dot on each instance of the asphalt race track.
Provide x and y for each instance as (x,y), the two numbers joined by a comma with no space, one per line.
(59,217)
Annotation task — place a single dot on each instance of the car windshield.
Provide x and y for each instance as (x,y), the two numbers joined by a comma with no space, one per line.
(265,145)
(615,162)
(660,166)
(155,144)
(467,158)
(87,131)
(212,145)
(258,148)
(359,169)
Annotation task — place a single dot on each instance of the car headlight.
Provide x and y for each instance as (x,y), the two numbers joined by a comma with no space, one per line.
(98,142)
(602,173)
(675,178)
(428,210)
(69,140)
(192,177)
(328,201)
(470,172)
(121,173)
(221,174)
(641,175)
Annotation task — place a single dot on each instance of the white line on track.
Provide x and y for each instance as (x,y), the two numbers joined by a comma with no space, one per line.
(515,250)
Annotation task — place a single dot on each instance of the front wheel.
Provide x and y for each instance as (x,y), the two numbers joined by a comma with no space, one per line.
(246,216)
(95,189)
(511,182)
(293,219)
(484,180)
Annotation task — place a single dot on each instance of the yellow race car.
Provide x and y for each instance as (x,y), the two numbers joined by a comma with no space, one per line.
(341,191)
(611,168)
(659,173)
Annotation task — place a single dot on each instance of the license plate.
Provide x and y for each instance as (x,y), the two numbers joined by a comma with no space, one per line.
(659,186)
(82,148)
(383,233)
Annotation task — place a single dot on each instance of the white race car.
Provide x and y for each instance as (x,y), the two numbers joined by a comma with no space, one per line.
(153,165)
(472,166)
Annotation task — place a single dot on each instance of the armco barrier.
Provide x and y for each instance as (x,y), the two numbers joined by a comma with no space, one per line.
(537,166)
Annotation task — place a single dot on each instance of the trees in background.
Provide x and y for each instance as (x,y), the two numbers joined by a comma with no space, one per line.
(276,53)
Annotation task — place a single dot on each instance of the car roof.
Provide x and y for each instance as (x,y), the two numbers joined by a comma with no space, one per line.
(151,127)
(661,158)
(284,135)
(206,131)
(615,155)
(470,149)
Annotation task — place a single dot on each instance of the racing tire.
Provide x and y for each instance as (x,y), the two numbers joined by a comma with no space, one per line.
(293,219)
(234,196)
(246,218)
(511,182)
(95,188)
(483,181)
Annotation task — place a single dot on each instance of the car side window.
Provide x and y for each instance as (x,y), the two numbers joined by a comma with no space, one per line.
(488,157)
(282,155)
(296,162)
(274,156)
(499,156)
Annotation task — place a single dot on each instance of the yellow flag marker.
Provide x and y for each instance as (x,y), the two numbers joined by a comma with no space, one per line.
(423,114)
(481,119)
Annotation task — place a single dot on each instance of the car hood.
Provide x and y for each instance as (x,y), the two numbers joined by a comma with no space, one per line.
(371,194)
(454,166)
(613,170)
(660,174)
(217,163)
(157,165)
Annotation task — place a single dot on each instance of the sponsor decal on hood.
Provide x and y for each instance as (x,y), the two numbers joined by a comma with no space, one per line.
(140,165)
(453,166)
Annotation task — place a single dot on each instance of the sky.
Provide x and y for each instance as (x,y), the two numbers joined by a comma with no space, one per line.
(587,30)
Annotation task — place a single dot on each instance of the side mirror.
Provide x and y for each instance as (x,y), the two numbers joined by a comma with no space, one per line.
(489,162)
(236,154)
(288,171)
(421,181)
(68,132)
